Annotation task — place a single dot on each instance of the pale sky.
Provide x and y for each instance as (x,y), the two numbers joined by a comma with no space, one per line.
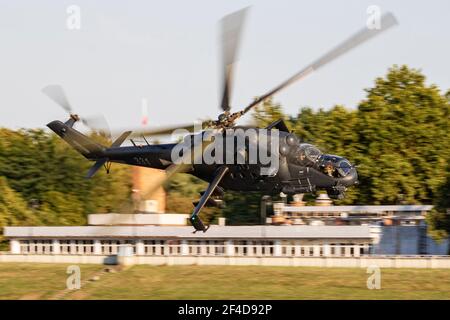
(167,52)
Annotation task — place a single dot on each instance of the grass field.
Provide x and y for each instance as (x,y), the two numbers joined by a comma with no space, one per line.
(48,281)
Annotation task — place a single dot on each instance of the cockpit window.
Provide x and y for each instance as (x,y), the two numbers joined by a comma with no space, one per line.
(310,151)
(344,167)
(330,158)
(334,166)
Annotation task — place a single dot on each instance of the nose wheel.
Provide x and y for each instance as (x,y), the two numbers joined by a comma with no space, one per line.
(338,192)
(198,224)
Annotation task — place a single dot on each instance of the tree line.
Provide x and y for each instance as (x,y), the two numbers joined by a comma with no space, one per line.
(398,136)
(42,182)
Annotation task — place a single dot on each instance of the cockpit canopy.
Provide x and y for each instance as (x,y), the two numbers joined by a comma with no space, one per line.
(334,166)
(309,155)
(306,154)
(311,152)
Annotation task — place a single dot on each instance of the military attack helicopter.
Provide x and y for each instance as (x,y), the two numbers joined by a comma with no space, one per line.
(301,167)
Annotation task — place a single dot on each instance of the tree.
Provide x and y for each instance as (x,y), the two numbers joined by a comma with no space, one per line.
(438,219)
(333,131)
(61,209)
(242,207)
(13,209)
(38,165)
(398,137)
(403,139)
(268,112)
(182,191)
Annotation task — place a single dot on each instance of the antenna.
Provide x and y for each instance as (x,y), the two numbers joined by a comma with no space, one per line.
(145,140)
(144,110)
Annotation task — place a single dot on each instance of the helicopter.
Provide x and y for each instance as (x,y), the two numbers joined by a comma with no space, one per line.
(301,167)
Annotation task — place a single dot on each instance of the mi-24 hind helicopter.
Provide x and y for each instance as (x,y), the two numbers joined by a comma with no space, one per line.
(302,168)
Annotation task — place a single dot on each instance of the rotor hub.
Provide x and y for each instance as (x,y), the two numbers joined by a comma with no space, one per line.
(75,117)
(223,117)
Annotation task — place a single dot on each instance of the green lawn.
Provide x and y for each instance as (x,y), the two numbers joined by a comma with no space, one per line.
(44,281)
(35,281)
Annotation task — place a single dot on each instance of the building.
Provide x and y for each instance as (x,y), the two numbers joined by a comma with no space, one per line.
(138,219)
(406,240)
(294,231)
(395,229)
(350,215)
(282,241)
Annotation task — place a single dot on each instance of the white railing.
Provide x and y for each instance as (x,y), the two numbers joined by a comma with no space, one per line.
(36,248)
(76,249)
(206,249)
(254,250)
(162,250)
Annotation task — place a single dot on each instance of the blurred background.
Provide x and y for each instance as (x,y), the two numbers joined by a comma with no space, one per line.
(385,106)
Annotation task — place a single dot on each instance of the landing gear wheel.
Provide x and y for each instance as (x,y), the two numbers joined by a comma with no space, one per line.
(198,224)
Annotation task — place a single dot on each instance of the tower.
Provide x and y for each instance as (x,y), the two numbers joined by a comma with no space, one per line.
(142,180)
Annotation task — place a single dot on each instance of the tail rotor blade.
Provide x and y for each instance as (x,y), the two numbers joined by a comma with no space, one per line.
(96,123)
(56,93)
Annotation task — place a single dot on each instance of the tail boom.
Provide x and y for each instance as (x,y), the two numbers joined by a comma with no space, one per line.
(87,147)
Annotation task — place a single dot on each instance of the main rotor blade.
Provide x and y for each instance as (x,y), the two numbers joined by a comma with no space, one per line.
(231,29)
(185,164)
(161,180)
(56,93)
(97,123)
(387,21)
(167,129)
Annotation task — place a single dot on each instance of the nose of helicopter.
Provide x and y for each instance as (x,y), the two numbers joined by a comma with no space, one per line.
(351,178)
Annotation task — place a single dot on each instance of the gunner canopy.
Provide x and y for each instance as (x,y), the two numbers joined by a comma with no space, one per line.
(334,166)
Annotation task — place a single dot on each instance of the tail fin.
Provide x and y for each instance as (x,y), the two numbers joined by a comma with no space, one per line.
(84,145)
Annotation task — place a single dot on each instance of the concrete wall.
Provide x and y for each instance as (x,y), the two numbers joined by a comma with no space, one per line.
(56,258)
(347,262)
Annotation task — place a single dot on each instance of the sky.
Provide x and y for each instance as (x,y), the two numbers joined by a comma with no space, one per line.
(167,53)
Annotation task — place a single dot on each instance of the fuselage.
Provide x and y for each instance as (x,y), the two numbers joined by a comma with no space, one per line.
(300,167)
(269,161)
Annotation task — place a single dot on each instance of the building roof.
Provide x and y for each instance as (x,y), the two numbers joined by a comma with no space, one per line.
(167,219)
(359,209)
(215,232)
